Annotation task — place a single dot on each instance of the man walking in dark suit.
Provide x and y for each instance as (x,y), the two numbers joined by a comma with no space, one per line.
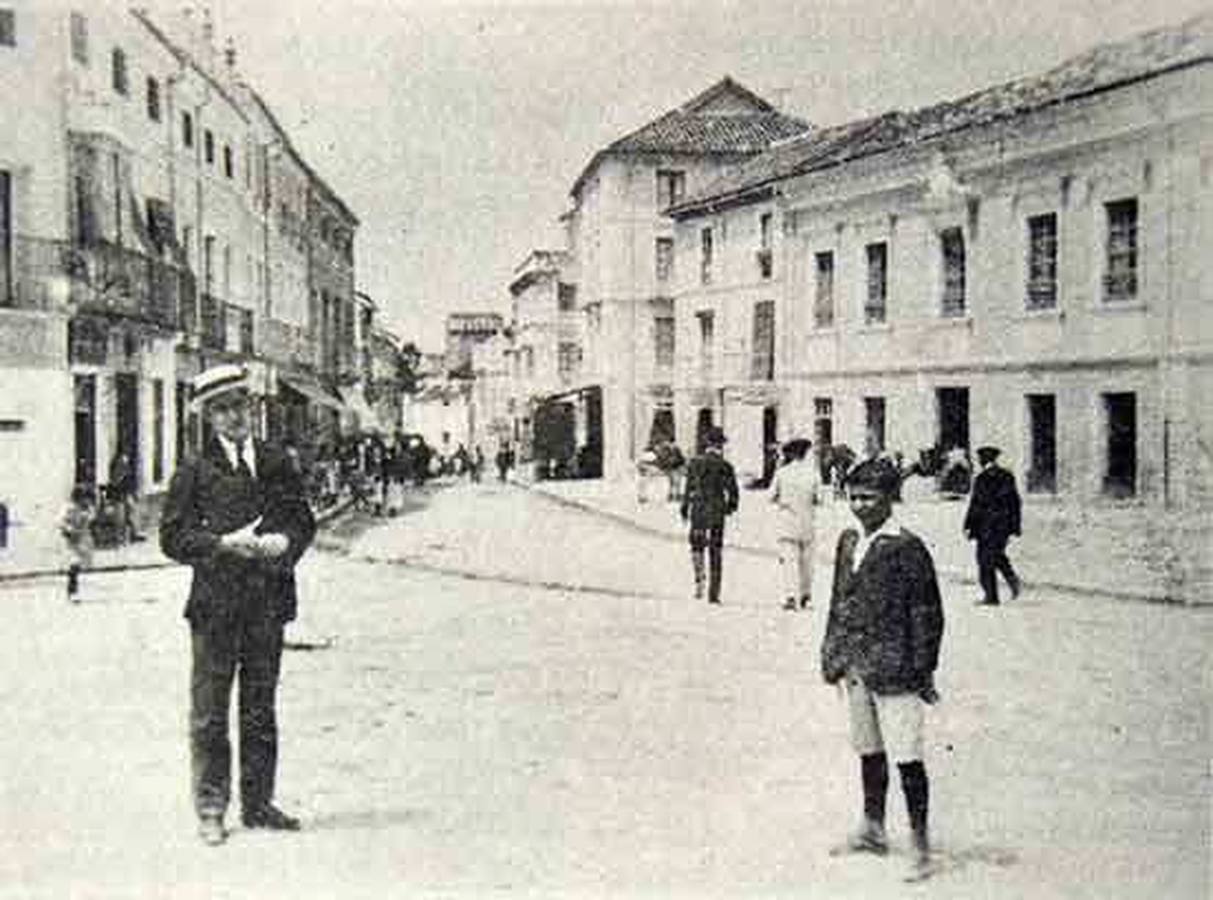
(709,496)
(237,515)
(993,517)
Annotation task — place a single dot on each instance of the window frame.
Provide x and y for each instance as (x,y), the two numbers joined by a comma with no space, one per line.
(78,37)
(953,273)
(871,295)
(152,89)
(120,76)
(1123,286)
(823,289)
(8,26)
(1042,262)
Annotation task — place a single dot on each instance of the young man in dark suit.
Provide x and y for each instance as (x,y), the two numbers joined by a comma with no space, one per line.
(882,644)
(237,515)
(993,517)
(710,495)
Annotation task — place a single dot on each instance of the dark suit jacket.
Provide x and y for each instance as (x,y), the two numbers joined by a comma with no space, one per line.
(994,507)
(207,499)
(886,618)
(711,491)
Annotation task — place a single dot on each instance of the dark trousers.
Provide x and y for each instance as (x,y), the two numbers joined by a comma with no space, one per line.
(254,650)
(711,539)
(992,559)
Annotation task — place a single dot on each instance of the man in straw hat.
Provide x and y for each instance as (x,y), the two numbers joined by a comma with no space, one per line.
(238,515)
(882,644)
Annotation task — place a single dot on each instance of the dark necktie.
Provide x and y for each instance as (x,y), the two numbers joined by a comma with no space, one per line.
(242,466)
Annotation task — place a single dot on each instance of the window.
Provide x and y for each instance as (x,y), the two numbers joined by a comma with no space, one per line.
(1120,273)
(1042,262)
(157,430)
(707,337)
(1120,428)
(823,423)
(874,307)
(1042,427)
(705,256)
(228,165)
(568,358)
(566,297)
(952,404)
(762,361)
(118,75)
(665,258)
(84,390)
(952,250)
(208,146)
(79,38)
(187,129)
(208,264)
(663,341)
(8,28)
(671,187)
(6,239)
(874,425)
(153,99)
(765,260)
(823,299)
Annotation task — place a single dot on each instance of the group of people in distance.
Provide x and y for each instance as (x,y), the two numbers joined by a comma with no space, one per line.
(238,515)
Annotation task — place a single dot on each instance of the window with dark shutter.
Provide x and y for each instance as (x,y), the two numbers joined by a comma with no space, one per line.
(875,302)
(1042,262)
(952,251)
(8,28)
(1120,271)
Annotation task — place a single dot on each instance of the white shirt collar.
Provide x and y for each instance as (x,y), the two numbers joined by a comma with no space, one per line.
(889,527)
(230,451)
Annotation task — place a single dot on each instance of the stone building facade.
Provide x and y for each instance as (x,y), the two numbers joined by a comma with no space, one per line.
(622,266)
(139,243)
(1025,267)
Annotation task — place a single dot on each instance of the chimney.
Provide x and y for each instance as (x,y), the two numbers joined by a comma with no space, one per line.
(208,38)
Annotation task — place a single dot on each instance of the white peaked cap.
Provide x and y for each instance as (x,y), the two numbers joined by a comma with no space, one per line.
(218,380)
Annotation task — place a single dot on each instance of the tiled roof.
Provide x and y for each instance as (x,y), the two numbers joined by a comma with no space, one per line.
(1106,66)
(698,127)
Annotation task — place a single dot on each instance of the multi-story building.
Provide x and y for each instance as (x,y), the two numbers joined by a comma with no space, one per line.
(135,244)
(546,360)
(1026,267)
(622,262)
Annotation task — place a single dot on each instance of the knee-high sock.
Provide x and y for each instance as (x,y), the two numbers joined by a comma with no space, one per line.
(916,788)
(874,769)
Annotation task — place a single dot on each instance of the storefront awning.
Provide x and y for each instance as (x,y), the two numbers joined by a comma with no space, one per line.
(311,389)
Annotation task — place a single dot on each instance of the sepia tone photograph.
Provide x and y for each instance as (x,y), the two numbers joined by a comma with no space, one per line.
(606,449)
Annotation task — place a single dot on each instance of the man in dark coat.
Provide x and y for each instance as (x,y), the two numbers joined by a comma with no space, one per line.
(709,496)
(882,641)
(237,515)
(993,517)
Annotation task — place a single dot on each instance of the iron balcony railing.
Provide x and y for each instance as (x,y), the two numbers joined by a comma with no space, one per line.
(50,274)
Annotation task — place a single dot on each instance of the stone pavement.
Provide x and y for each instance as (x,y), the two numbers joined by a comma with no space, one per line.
(1131,552)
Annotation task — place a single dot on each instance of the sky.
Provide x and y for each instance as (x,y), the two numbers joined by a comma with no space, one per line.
(454,130)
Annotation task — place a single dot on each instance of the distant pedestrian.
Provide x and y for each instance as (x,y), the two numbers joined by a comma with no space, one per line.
(122,489)
(477,463)
(796,492)
(238,515)
(709,497)
(993,518)
(882,641)
(503,461)
(76,528)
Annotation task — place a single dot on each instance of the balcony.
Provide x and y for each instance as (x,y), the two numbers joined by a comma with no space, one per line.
(101,278)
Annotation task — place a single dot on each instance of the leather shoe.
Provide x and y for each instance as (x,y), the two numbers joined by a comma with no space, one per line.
(270,817)
(211,830)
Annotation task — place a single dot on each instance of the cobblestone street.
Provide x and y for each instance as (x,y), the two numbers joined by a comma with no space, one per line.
(495,693)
